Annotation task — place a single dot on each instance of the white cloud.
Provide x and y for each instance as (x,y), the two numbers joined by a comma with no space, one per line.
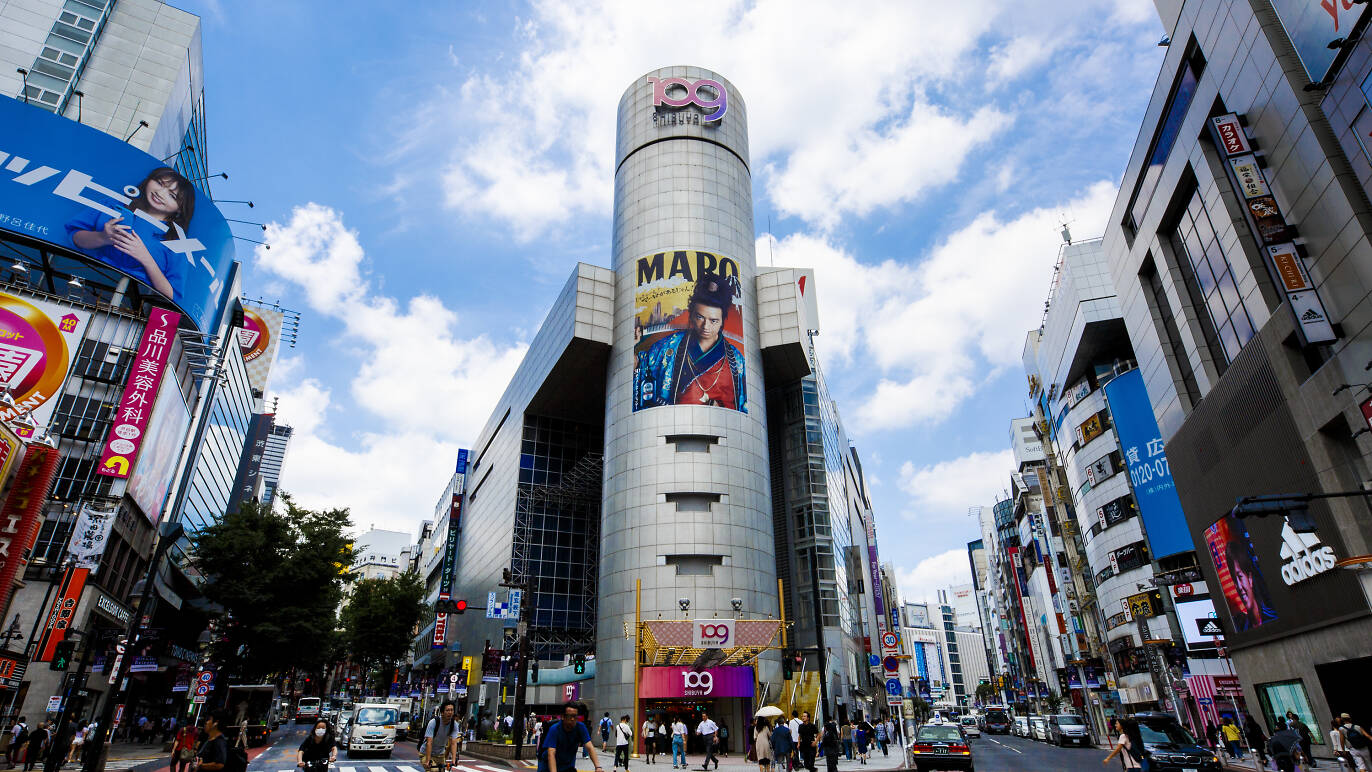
(935,327)
(427,389)
(939,572)
(946,490)
(845,114)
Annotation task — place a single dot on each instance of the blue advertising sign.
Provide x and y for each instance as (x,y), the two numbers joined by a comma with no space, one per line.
(87,192)
(1144,457)
(1312,25)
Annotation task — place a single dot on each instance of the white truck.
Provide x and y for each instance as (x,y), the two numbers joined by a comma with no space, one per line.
(372,729)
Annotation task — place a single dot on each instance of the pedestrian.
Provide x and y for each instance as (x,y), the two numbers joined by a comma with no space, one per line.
(1212,737)
(1285,747)
(808,741)
(723,739)
(59,745)
(37,745)
(891,737)
(846,737)
(762,744)
(828,743)
(1230,732)
(862,735)
(649,730)
(183,747)
(605,726)
(77,739)
(441,737)
(881,737)
(560,744)
(1126,746)
(678,743)
(1303,731)
(793,726)
(624,737)
(709,737)
(782,744)
(1338,745)
(317,746)
(19,736)
(1358,741)
(1257,739)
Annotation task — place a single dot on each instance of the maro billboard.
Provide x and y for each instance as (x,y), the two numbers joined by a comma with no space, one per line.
(87,192)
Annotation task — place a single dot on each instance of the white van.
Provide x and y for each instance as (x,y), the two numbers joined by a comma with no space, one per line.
(372,729)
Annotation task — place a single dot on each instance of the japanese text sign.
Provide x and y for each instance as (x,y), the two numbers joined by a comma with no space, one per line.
(140,393)
(22,513)
(61,613)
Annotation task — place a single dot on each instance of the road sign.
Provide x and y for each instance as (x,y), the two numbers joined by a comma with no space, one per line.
(873,660)
(1209,626)
(894,700)
(206,677)
(893,687)
(55,703)
(891,664)
(492,612)
(889,641)
(1204,701)
(201,690)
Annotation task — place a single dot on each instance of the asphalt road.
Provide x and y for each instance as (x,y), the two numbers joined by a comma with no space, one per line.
(280,756)
(1004,753)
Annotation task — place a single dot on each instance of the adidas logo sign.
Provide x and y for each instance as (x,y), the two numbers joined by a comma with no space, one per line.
(1305,556)
(1311,315)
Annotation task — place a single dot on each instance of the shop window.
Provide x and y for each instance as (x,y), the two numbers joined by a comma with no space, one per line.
(1279,697)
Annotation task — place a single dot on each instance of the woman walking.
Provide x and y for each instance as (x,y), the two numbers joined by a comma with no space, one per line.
(762,744)
(1129,745)
(862,735)
(1257,739)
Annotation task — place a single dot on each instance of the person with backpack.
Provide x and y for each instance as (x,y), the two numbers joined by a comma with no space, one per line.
(441,737)
(37,746)
(723,739)
(214,753)
(19,735)
(1293,721)
(605,726)
(1358,742)
(1285,747)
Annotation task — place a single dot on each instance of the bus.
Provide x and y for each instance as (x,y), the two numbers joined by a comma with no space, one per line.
(307,709)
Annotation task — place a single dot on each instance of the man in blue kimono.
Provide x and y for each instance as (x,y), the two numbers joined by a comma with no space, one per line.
(697,365)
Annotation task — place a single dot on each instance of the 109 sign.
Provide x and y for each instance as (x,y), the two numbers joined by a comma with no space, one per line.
(712,633)
(706,94)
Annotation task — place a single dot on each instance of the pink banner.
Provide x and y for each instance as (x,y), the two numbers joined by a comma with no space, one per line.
(140,394)
(729,681)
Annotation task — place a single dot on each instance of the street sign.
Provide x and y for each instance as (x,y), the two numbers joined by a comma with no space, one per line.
(891,664)
(894,700)
(1204,701)
(492,612)
(873,660)
(1209,626)
(890,640)
(452,679)
(893,687)
(55,703)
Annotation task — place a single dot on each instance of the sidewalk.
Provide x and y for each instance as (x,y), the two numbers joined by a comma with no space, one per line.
(734,762)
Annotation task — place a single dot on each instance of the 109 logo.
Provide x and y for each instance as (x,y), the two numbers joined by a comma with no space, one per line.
(678,92)
(714,633)
(702,681)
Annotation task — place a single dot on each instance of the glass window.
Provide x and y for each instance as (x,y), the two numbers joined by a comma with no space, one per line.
(1195,242)
(1280,697)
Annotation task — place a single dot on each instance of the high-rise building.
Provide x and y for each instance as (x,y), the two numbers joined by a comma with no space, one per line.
(381,554)
(667,458)
(1238,247)
(273,458)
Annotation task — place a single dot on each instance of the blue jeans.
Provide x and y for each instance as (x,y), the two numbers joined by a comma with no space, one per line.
(678,749)
(848,749)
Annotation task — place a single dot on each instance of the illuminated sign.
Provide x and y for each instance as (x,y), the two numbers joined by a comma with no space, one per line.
(676,93)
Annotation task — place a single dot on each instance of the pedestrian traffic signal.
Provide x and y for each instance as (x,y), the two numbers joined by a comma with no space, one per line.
(579,664)
(451,607)
(61,655)
(787,665)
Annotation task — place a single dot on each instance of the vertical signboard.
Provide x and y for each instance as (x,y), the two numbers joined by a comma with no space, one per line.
(445,585)
(1266,220)
(38,343)
(1144,457)
(61,612)
(250,462)
(22,513)
(10,450)
(258,339)
(163,441)
(140,393)
(688,331)
(88,537)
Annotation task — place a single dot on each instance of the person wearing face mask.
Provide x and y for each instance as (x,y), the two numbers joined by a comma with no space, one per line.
(318,746)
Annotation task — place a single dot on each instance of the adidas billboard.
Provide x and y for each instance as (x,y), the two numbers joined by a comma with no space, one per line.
(1303,555)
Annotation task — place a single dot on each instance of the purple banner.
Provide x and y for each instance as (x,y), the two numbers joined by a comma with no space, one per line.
(732,681)
(877,596)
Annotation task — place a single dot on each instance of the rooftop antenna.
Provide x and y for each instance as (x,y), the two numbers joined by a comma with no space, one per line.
(770,238)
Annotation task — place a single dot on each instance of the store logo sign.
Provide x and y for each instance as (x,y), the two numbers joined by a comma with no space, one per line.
(1304,555)
(708,95)
(712,633)
(697,684)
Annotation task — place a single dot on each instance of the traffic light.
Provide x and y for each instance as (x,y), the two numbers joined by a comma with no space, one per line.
(579,664)
(787,665)
(535,670)
(61,655)
(451,607)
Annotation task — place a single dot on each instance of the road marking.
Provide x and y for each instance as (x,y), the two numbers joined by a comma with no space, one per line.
(1003,745)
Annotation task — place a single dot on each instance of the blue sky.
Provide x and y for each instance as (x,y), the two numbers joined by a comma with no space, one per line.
(432,171)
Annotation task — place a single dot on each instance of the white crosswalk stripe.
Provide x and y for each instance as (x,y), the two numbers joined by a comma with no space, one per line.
(398,766)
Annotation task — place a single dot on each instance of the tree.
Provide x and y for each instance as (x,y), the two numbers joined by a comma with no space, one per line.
(279,577)
(985,692)
(379,620)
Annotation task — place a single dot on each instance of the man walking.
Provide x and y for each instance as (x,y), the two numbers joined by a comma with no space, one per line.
(829,742)
(605,725)
(1285,747)
(808,744)
(624,737)
(1358,741)
(793,759)
(564,738)
(1303,731)
(19,734)
(782,744)
(707,730)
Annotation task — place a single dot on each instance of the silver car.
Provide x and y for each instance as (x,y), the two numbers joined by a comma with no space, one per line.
(1068,729)
(1038,728)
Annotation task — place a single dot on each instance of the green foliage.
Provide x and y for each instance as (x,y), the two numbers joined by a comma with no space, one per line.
(279,575)
(985,692)
(1054,703)
(379,620)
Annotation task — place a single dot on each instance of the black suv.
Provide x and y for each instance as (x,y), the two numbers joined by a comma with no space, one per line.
(1171,747)
(995,722)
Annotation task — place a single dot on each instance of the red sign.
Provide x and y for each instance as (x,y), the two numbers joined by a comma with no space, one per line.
(1231,134)
(440,630)
(60,615)
(140,394)
(1366,408)
(22,513)
(1183,589)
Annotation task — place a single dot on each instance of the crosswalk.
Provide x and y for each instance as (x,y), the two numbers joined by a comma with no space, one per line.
(399,766)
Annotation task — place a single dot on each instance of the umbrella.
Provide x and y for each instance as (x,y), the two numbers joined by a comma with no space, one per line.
(769,711)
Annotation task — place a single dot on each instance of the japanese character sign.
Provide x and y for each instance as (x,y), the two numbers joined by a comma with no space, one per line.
(135,408)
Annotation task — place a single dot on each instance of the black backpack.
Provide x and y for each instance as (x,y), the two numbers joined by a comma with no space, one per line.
(1355,738)
(22,738)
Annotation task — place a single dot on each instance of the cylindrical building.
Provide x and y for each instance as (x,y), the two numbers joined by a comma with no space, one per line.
(686,488)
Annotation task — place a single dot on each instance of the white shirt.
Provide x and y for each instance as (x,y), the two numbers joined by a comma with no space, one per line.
(706,727)
(622,733)
(679,729)
(1336,741)
(649,729)
(794,728)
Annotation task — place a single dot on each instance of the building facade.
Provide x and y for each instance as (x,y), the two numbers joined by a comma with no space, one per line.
(1238,247)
